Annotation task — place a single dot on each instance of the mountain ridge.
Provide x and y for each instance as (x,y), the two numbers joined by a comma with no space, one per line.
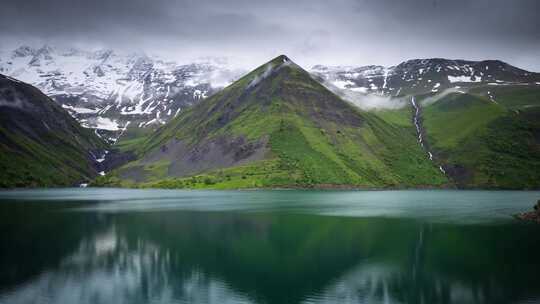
(116,93)
(281,128)
(40,143)
(131,95)
(418,76)
(241,129)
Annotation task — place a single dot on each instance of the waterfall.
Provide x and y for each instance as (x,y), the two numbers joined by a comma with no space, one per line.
(416,119)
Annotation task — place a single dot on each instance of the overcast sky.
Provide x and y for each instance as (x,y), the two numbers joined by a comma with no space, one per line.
(353,32)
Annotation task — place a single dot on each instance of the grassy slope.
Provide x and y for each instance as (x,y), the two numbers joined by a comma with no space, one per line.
(315,139)
(512,96)
(487,143)
(27,163)
(43,146)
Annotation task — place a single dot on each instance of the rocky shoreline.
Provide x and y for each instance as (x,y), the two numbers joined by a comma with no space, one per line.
(531,215)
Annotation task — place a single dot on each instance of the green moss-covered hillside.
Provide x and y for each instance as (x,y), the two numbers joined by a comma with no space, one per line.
(41,145)
(278,127)
(489,137)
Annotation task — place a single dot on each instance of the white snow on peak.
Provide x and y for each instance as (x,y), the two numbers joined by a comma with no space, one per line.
(80,110)
(359,89)
(453,79)
(107,90)
(103,123)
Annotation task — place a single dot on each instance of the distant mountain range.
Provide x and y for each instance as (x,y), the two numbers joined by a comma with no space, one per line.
(419,76)
(422,123)
(278,127)
(113,92)
(274,127)
(129,95)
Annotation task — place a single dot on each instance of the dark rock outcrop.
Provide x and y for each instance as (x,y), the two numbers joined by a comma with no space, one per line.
(531,215)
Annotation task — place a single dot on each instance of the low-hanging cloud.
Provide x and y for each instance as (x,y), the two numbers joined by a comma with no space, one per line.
(258,78)
(369,101)
(9,97)
(374,101)
(355,32)
(270,68)
(432,99)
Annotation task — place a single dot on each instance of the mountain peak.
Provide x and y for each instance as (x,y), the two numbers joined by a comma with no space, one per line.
(23,51)
(102,54)
(266,117)
(268,69)
(279,122)
(46,49)
(281,59)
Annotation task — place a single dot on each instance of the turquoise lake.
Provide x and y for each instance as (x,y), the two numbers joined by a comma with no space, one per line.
(276,246)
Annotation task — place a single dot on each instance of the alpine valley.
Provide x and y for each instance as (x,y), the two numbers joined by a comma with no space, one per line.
(142,121)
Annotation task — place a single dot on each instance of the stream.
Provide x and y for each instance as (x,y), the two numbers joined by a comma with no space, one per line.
(416,120)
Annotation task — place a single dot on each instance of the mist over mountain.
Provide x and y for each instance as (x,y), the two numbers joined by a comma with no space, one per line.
(277,126)
(423,123)
(112,91)
(124,94)
(269,152)
(378,87)
(130,100)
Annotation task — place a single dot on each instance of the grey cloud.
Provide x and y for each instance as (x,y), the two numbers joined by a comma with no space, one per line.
(316,31)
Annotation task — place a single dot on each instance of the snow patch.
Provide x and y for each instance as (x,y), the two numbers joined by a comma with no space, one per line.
(437,97)
(359,89)
(103,123)
(80,110)
(453,79)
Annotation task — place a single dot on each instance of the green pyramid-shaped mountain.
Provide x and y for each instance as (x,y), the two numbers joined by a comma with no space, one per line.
(275,127)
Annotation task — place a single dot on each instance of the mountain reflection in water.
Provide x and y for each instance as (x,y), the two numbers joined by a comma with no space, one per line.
(64,253)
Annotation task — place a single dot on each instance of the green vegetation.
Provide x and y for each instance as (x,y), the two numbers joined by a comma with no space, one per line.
(484,144)
(53,161)
(398,118)
(41,145)
(131,144)
(514,97)
(278,127)
(458,116)
(311,138)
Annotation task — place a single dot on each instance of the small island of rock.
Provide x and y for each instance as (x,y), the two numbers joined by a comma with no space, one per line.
(531,215)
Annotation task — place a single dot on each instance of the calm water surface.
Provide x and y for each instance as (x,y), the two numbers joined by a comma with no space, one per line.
(164,246)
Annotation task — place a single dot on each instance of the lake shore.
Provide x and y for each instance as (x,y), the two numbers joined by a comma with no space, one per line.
(533,216)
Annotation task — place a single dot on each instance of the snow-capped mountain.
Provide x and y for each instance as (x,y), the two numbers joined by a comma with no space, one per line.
(121,94)
(421,76)
(113,92)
